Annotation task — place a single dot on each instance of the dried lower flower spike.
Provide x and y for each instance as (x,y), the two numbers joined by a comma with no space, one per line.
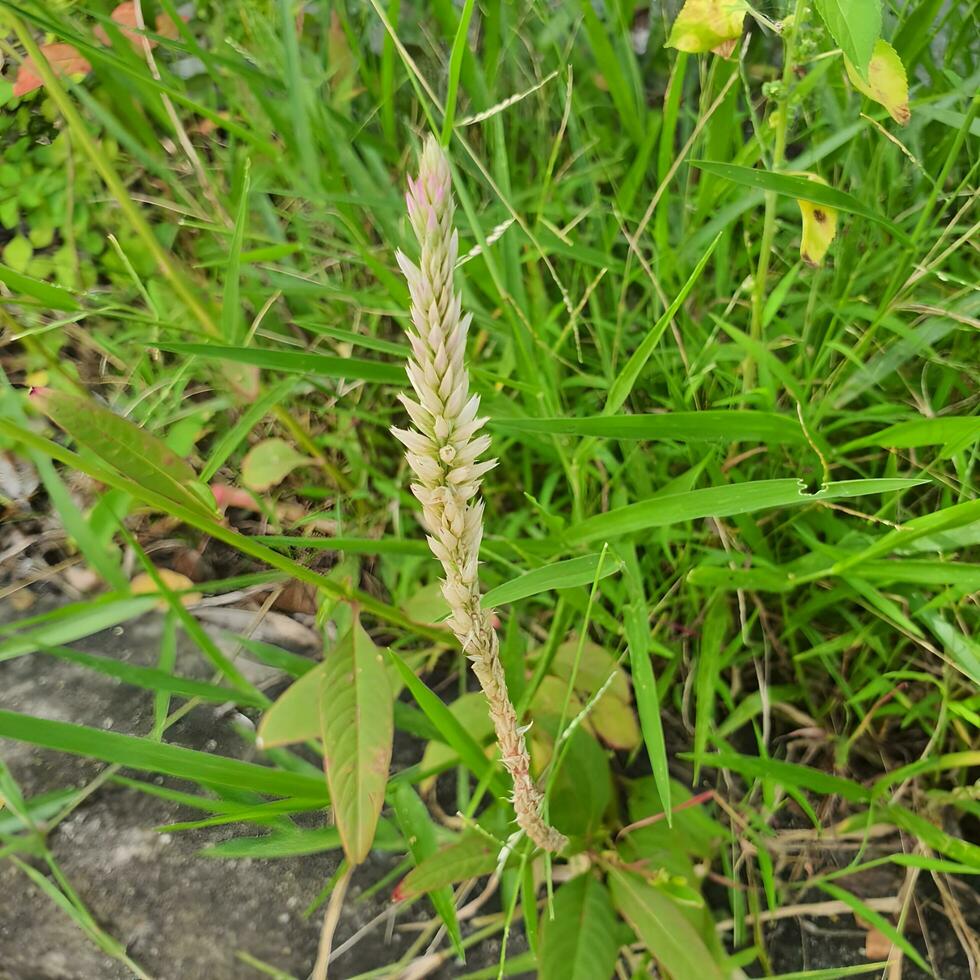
(444,451)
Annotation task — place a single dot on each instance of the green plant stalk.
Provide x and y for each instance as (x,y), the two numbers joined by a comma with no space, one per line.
(769,221)
(184,290)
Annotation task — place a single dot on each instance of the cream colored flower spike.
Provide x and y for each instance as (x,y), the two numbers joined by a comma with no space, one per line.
(444,451)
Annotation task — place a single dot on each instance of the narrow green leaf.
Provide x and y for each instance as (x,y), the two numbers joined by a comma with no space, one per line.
(709,654)
(71,623)
(459,50)
(155,680)
(870,916)
(580,941)
(297,362)
(623,384)
(420,833)
(921,432)
(357,730)
(50,296)
(454,734)
(170,760)
(799,188)
(280,844)
(648,700)
(789,774)
(231,314)
(663,928)
(708,426)
(558,575)
(723,501)
(935,837)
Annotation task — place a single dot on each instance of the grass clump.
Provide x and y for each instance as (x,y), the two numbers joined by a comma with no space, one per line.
(733,546)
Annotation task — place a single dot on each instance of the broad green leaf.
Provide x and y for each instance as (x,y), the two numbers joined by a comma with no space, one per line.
(170,760)
(662,927)
(580,941)
(721,501)
(320,365)
(295,716)
(420,834)
(582,789)
(886,82)
(876,919)
(472,856)
(708,25)
(269,462)
(855,25)
(939,431)
(595,664)
(52,297)
(358,729)
(708,426)
(558,575)
(132,450)
(819,227)
(798,187)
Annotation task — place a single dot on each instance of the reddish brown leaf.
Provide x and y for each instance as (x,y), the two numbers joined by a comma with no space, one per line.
(63,59)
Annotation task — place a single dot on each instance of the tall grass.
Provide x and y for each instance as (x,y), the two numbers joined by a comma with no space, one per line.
(735,520)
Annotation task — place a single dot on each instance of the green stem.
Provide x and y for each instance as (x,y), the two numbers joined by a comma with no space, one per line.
(769,221)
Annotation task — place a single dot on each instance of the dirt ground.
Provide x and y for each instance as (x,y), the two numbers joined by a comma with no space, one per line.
(185,917)
(181,916)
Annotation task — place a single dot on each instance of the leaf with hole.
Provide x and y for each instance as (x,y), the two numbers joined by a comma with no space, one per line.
(722,501)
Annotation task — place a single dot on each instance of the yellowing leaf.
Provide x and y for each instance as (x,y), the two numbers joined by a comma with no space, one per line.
(887,83)
(144,584)
(819,227)
(356,716)
(708,25)
(269,462)
(614,722)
